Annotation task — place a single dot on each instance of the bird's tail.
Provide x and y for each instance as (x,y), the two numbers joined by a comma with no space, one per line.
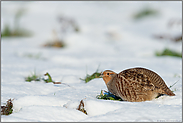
(166,91)
(170,93)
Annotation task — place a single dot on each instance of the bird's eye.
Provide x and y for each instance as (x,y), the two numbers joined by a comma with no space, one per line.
(107,73)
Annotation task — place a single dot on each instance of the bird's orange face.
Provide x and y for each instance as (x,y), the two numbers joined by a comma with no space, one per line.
(107,75)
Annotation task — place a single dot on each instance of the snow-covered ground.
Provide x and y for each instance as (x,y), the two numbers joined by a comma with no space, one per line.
(109,37)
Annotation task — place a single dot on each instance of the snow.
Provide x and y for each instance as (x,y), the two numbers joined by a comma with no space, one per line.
(109,37)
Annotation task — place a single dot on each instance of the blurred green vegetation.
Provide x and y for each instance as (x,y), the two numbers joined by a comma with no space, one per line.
(33,56)
(145,13)
(17,30)
(55,43)
(168,52)
(67,25)
(7,32)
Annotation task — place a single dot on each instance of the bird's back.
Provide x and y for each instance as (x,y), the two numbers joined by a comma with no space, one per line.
(139,84)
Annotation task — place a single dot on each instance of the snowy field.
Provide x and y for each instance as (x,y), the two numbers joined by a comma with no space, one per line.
(109,36)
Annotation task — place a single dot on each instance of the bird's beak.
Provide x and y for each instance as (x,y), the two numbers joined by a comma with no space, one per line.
(101,75)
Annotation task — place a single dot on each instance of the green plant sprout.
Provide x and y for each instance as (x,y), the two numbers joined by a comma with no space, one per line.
(108,96)
(49,78)
(88,77)
(33,77)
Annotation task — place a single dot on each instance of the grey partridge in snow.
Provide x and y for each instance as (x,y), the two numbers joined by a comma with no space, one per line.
(135,84)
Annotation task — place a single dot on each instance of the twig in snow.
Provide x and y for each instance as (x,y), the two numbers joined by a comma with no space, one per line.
(7,110)
(81,107)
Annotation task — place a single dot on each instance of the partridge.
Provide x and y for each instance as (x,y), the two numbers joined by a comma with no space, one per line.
(135,84)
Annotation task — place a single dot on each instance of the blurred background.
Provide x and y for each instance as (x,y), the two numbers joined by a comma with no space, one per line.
(76,34)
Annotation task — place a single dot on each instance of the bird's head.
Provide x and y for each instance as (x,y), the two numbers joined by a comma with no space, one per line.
(107,75)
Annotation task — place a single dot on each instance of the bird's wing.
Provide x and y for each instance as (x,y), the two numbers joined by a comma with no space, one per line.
(146,78)
(137,76)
